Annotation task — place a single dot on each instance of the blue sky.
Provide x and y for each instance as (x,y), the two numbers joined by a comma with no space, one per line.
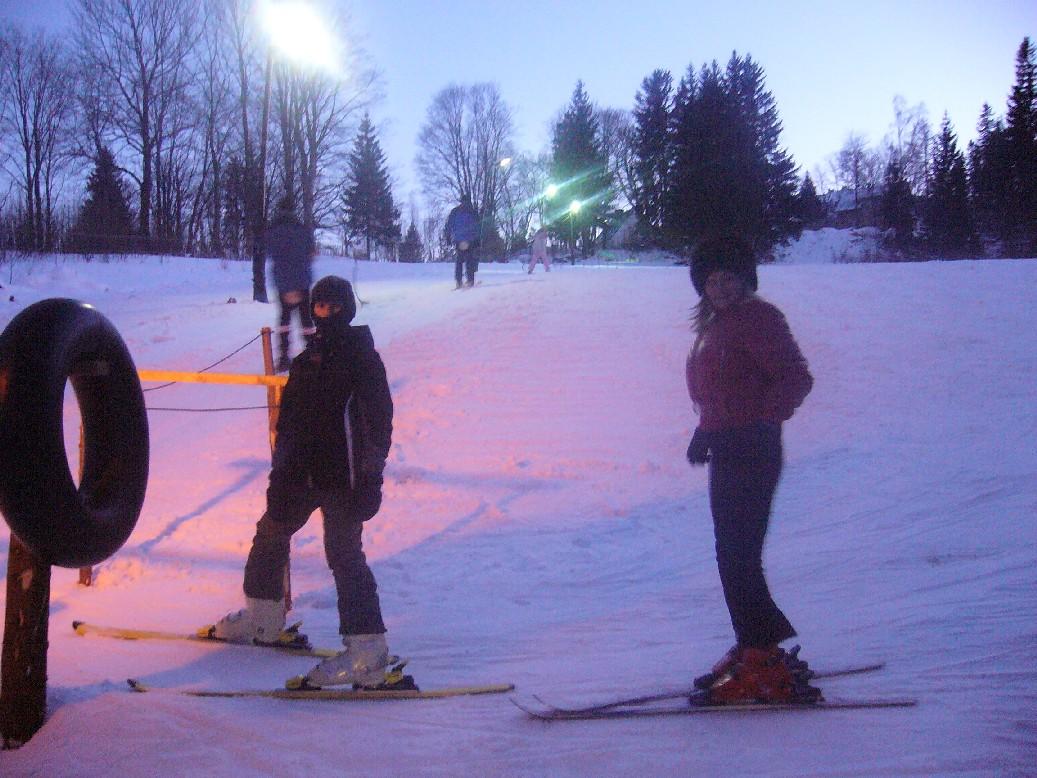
(833,67)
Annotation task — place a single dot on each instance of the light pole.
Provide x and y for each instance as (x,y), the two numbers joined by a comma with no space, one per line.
(574,208)
(550,192)
(259,226)
(300,36)
(505,168)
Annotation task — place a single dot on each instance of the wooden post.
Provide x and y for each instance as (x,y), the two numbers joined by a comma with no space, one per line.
(86,574)
(23,665)
(273,393)
(273,401)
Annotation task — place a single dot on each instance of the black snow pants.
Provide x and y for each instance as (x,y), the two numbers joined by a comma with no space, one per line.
(467,261)
(359,609)
(744,470)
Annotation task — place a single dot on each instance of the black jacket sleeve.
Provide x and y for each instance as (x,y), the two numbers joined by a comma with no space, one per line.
(370,411)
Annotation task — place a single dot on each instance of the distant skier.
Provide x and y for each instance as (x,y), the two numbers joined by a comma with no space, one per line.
(333,436)
(538,251)
(462,230)
(290,247)
(746,375)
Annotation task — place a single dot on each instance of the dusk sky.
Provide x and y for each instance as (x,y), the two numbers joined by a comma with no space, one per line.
(833,67)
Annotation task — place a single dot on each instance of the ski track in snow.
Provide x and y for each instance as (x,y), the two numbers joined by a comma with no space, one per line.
(540,526)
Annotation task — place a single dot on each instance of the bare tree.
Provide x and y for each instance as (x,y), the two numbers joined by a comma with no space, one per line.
(432,233)
(855,166)
(253,80)
(523,197)
(823,177)
(616,128)
(316,114)
(143,48)
(313,114)
(216,109)
(178,160)
(910,139)
(93,126)
(286,88)
(468,132)
(331,109)
(36,94)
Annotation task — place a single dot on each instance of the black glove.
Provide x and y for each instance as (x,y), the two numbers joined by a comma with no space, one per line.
(368,497)
(698,449)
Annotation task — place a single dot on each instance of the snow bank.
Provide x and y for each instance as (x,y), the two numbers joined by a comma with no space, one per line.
(831,245)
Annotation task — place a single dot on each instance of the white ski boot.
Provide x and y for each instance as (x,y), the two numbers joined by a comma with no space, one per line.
(260,621)
(363,663)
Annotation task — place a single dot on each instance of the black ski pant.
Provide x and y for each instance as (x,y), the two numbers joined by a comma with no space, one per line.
(360,612)
(468,262)
(744,469)
(293,301)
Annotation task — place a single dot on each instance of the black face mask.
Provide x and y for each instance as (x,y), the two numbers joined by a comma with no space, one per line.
(331,328)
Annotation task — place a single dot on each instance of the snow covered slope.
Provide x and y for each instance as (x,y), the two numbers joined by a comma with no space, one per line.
(542,527)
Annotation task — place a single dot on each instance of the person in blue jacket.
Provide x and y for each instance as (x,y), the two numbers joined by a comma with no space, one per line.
(462,230)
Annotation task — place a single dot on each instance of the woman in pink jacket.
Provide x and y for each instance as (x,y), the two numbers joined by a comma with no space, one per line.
(746,376)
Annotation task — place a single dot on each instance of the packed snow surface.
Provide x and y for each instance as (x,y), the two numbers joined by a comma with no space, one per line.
(541,527)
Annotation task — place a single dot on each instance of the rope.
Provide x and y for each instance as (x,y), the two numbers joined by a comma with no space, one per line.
(204,369)
(359,299)
(216,410)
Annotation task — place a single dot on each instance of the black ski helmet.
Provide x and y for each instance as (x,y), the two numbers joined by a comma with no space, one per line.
(723,253)
(336,291)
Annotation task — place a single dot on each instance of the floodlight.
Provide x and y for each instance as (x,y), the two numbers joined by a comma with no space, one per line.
(299,34)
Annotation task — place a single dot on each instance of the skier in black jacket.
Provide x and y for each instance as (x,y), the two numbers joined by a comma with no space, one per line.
(290,245)
(333,436)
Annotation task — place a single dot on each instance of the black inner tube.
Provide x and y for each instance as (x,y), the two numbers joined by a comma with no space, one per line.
(48,344)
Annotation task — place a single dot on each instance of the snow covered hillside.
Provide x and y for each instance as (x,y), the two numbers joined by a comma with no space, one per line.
(829,244)
(541,527)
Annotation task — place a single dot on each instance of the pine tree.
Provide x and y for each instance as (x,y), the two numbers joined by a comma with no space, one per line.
(747,83)
(896,209)
(948,222)
(652,152)
(411,249)
(679,229)
(105,222)
(729,173)
(579,170)
(718,185)
(990,179)
(367,202)
(809,208)
(1021,135)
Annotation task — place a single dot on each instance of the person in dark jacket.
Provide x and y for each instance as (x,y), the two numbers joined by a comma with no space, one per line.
(333,436)
(462,230)
(746,376)
(290,247)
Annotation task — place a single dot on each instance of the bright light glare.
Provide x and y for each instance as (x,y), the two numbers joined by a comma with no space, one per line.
(574,206)
(505,162)
(300,34)
(552,190)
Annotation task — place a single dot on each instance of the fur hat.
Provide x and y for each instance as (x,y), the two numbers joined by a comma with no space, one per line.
(723,253)
(336,291)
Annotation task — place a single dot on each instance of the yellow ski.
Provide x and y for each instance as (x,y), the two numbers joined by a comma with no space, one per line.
(334,694)
(291,641)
